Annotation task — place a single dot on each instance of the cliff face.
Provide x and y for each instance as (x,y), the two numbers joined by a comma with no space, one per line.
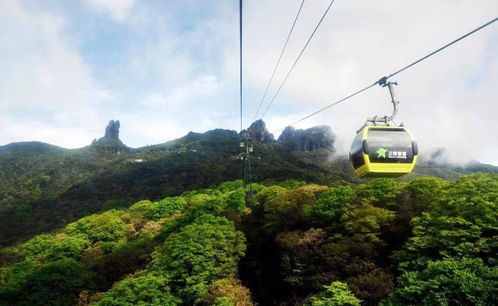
(112,130)
(319,137)
(258,132)
(110,143)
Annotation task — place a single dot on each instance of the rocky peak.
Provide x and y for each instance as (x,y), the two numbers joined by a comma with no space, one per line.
(258,132)
(319,137)
(112,130)
(110,143)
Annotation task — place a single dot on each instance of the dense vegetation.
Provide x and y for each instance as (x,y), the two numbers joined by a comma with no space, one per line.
(426,241)
(44,187)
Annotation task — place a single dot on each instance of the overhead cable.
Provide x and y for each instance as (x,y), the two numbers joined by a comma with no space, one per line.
(279,59)
(383,80)
(297,59)
(240,59)
(441,49)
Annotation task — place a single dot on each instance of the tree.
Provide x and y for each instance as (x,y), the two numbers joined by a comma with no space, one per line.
(69,247)
(149,289)
(371,284)
(236,201)
(381,192)
(292,184)
(199,206)
(366,221)
(165,208)
(336,294)
(140,207)
(286,210)
(330,206)
(423,192)
(230,186)
(54,283)
(37,246)
(198,254)
(108,268)
(461,223)
(228,291)
(416,197)
(448,282)
(105,227)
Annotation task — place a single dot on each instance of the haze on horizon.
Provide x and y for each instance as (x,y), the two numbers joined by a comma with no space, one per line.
(164,68)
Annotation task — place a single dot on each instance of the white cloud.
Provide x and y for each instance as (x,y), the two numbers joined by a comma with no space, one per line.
(118,9)
(195,89)
(181,72)
(44,84)
(34,130)
(361,41)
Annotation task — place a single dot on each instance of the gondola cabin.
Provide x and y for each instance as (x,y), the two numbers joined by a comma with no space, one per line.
(383,151)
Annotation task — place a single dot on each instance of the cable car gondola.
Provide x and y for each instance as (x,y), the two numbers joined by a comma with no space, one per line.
(382,149)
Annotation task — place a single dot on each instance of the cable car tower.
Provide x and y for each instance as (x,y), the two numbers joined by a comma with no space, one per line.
(247,148)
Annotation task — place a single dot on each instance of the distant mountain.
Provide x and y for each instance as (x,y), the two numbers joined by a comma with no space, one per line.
(439,159)
(33,147)
(43,187)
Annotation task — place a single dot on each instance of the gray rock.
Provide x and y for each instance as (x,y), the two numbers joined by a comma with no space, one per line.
(110,143)
(112,130)
(258,132)
(319,137)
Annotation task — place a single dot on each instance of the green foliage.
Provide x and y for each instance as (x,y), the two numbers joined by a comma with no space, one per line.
(37,246)
(461,223)
(351,251)
(267,193)
(424,191)
(381,191)
(230,186)
(236,201)
(448,282)
(366,221)
(287,209)
(165,208)
(140,207)
(44,187)
(330,206)
(13,277)
(36,193)
(69,247)
(199,205)
(144,290)
(224,301)
(198,254)
(200,198)
(336,294)
(54,283)
(126,259)
(184,250)
(105,227)
(292,184)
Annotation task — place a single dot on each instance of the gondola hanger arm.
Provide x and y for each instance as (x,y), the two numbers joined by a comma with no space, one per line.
(386,119)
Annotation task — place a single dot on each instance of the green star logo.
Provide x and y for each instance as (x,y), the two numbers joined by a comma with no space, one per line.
(381,153)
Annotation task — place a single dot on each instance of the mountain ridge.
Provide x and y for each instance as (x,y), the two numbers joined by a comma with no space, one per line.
(44,186)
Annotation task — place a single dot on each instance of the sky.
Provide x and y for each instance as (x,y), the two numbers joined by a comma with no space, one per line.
(164,68)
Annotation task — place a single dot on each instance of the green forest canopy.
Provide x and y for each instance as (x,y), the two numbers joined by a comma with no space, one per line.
(423,242)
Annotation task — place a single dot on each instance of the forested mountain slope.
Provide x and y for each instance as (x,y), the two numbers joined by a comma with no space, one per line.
(423,242)
(43,187)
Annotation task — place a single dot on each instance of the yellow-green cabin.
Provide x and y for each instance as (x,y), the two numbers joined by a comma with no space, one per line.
(383,151)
